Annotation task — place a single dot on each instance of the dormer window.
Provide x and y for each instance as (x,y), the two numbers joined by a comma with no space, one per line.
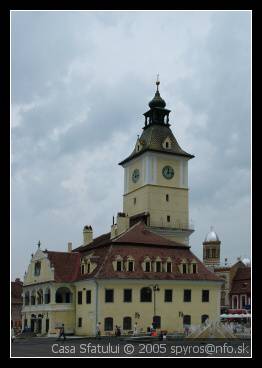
(138,147)
(37,268)
(184,268)
(147,266)
(167,144)
(130,266)
(82,269)
(119,266)
(158,266)
(194,268)
(169,267)
(88,268)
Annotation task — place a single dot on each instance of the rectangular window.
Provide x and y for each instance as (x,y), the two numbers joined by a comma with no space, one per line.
(205,296)
(88,297)
(147,266)
(187,295)
(169,267)
(158,266)
(130,266)
(109,296)
(79,297)
(127,295)
(167,197)
(168,295)
(79,322)
(119,266)
(194,268)
(184,268)
(168,218)
(134,201)
(167,144)
(88,268)
(82,269)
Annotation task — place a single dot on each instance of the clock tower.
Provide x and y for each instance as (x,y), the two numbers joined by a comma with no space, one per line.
(156,177)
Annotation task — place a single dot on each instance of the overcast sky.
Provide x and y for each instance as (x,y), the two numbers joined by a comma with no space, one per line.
(80,84)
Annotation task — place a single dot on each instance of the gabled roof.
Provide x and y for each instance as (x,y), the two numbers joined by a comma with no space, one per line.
(241,283)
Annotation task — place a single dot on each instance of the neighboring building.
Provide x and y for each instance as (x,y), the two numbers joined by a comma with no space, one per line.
(16,304)
(234,290)
(143,269)
(240,293)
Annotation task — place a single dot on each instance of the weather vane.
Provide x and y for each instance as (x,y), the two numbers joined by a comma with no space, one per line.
(157,80)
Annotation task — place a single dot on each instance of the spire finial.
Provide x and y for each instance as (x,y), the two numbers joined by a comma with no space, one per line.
(39,243)
(157,81)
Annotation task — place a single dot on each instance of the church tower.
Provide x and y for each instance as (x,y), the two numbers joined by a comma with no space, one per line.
(156,177)
(211,249)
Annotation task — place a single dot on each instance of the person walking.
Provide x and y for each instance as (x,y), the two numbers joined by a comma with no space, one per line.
(12,334)
(135,330)
(98,330)
(62,332)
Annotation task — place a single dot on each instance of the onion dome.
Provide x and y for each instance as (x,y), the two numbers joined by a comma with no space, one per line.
(212,236)
(157,101)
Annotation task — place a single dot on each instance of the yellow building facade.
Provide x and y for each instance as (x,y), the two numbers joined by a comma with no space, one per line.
(142,271)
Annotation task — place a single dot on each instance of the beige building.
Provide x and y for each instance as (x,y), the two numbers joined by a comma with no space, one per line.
(142,270)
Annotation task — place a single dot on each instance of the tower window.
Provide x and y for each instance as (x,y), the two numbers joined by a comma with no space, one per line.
(88,268)
(168,218)
(82,269)
(79,322)
(167,197)
(167,144)
(138,148)
(134,200)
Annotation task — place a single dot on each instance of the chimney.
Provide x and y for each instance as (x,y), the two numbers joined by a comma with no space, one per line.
(87,235)
(69,247)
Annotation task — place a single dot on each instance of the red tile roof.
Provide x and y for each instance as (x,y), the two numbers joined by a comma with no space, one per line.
(241,283)
(66,265)
(139,234)
(137,242)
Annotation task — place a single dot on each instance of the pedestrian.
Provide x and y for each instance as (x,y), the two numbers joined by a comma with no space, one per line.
(98,330)
(62,332)
(12,335)
(135,330)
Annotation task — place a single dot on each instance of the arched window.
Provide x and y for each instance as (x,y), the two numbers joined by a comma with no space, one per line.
(40,296)
(37,268)
(127,323)
(47,296)
(63,295)
(108,324)
(27,298)
(204,317)
(146,294)
(187,320)
(33,298)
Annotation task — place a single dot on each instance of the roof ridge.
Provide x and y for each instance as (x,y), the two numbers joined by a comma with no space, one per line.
(125,232)
(104,262)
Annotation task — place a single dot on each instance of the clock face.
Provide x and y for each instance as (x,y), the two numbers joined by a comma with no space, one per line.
(135,175)
(168,172)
